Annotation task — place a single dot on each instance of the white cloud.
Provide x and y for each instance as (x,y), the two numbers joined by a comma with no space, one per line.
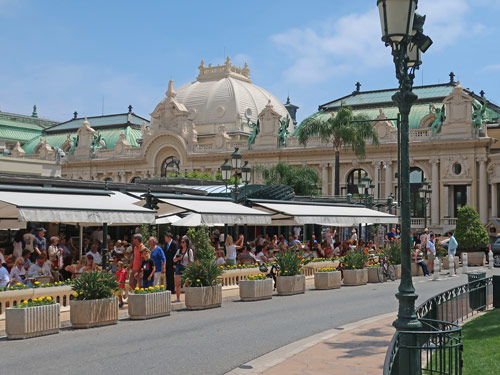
(352,43)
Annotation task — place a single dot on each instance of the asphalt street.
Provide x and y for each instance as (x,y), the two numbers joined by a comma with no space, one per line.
(205,342)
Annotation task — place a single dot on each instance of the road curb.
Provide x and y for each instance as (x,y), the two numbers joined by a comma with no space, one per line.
(269,360)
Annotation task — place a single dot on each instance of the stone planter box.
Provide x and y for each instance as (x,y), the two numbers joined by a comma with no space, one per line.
(203,297)
(356,277)
(23,323)
(397,270)
(150,305)
(445,262)
(373,275)
(289,285)
(327,280)
(94,313)
(416,270)
(476,259)
(254,290)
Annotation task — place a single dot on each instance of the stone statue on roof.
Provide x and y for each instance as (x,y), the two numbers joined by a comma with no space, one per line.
(255,132)
(438,121)
(283,132)
(97,142)
(478,114)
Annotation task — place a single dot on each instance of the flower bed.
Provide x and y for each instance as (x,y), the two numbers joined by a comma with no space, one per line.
(37,317)
(146,303)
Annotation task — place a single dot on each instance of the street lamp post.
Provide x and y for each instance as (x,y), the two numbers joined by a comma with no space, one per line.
(402,30)
(425,195)
(236,170)
(366,186)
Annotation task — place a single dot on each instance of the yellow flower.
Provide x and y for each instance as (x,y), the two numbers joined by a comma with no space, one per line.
(197,280)
(37,282)
(18,284)
(49,298)
(75,294)
(35,300)
(142,289)
(150,288)
(136,288)
(162,286)
(25,302)
(81,293)
(157,287)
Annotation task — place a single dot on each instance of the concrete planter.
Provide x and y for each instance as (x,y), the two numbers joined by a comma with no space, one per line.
(476,259)
(255,290)
(150,305)
(327,280)
(445,261)
(397,270)
(373,275)
(94,313)
(416,270)
(356,277)
(203,297)
(23,323)
(288,285)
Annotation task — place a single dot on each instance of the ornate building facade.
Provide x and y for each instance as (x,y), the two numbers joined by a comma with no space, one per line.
(195,127)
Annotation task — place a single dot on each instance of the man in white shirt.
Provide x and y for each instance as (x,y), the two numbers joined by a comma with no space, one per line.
(431,252)
(39,268)
(4,276)
(95,254)
(28,238)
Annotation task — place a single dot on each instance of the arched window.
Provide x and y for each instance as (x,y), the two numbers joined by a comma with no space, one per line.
(354,179)
(108,179)
(170,165)
(417,203)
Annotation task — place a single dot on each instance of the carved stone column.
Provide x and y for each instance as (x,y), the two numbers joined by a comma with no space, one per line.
(483,190)
(446,201)
(435,192)
(376,191)
(324,179)
(469,195)
(388,178)
(494,200)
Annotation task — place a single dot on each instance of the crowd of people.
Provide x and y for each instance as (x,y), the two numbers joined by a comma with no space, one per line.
(147,262)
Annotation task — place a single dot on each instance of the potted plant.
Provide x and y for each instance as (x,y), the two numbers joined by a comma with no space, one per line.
(355,272)
(32,318)
(373,271)
(202,287)
(290,279)
(256,287)
(94,303)
(393,254)
(152,302)
(327,278)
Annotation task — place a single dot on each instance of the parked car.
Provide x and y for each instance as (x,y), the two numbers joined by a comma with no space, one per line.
(495,248)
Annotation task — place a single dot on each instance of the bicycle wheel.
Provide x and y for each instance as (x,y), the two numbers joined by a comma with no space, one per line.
(380,274)
(391,272)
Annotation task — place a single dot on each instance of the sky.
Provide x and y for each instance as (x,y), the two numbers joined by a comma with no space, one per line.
(100,56)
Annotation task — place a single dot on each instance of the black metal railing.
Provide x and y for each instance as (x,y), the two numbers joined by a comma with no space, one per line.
(438,345)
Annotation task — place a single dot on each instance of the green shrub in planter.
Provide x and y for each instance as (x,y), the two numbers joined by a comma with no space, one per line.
(470,232)
(290,263)
(355,260)
(94,285)
(393,252)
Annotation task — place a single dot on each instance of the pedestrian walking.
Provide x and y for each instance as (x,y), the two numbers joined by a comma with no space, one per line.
(170,249)
(158,257)
(121,277)
(183,258)
(431,252)
(452,248)
(136,261)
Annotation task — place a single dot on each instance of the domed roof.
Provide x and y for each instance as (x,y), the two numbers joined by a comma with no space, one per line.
(224,94)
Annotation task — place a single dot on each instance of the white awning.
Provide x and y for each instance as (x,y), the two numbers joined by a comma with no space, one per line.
(213,211)
(195,220)
(298,213)
(61,207)
(167,219)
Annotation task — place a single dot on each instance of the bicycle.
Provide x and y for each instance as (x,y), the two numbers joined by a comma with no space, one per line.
(386,270)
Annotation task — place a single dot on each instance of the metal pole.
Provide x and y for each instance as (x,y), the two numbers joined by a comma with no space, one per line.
(105,245)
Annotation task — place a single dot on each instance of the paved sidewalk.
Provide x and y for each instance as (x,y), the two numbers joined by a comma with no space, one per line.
(356,348)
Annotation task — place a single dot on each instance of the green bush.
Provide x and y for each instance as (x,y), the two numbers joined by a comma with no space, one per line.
(204,270)
(393,252)
(94,285)
(290,263)
(470,232)
(355,260)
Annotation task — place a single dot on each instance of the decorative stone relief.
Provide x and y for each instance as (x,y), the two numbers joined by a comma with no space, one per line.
(18,151)
(384,128)
(66,146)
(221,138)
(190,135)
(169,114)
(269,120)
(46,152)
(122,146)
(457,166)
(36,151)
(459,111)
(146,132)
(85,138)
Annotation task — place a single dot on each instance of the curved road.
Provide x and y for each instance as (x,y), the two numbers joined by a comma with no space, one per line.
(205,342)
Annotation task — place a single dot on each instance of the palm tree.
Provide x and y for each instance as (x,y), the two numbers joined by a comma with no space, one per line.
(303,179)
(342,129)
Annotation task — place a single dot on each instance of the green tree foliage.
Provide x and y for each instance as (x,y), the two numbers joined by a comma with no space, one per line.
(393,252)
(147,231)
(470,232)
(204,270)
(343,130)
(303,179)
(94,285)
(355,260)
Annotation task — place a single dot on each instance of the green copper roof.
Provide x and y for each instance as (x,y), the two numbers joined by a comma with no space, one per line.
(97,122)
(110,135)
(21,128)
